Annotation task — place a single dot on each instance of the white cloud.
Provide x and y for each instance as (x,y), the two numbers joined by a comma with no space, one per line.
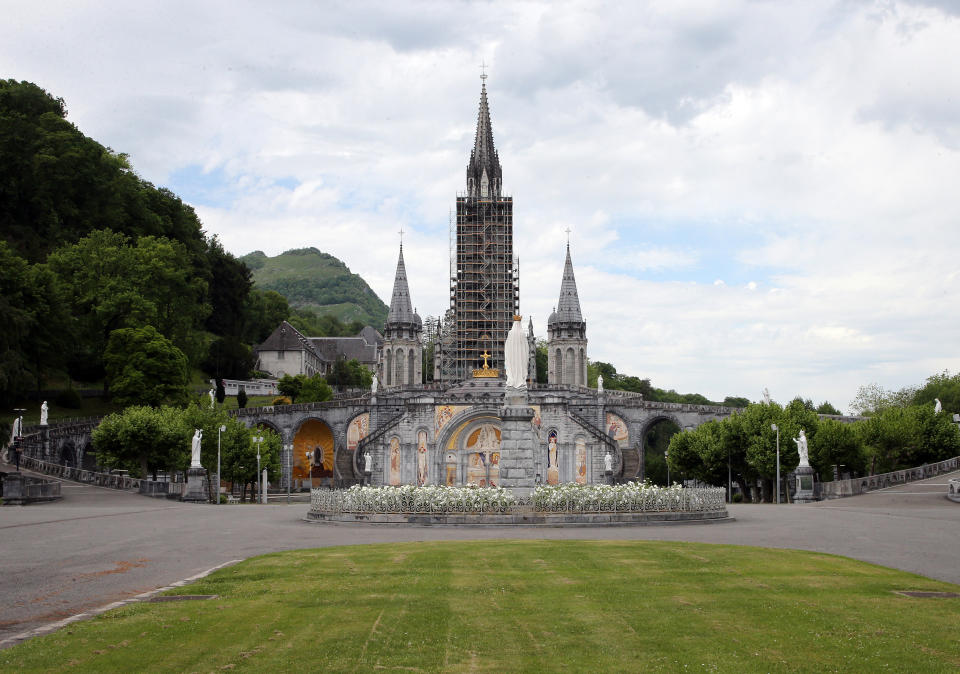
(759,194)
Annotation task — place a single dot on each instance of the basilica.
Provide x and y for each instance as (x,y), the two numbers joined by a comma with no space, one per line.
(463,428)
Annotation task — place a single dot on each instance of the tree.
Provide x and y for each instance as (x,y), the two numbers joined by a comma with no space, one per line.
(940,386)
(241,398)
(314,389)
(265,310)
(143,440)
(221,393)
(543,362)
(735,401)
(837,444)
(826,408)
(290,386)
(144,368)
(230,358)
(239,458)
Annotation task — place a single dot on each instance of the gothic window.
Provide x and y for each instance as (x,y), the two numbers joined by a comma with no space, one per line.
(558,366)
(389,368)
(399,376)
(410,369)
(570,367)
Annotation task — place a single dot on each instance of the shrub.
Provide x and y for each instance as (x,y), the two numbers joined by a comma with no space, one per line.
(280,400)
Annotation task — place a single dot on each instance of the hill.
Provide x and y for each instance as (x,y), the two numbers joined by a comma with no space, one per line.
(314,280)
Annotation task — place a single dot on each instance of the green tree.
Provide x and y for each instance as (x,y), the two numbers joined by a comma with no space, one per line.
(942,386)
(826,408)
(837,444)
(290,386)
(145,368)
(265,310)
(241,398)
(239,459)
(543,362)
(735,401)
(142,440)
(315,389)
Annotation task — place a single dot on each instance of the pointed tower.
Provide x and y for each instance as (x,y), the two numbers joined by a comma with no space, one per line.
(483,289)
(401,360)
(567,334)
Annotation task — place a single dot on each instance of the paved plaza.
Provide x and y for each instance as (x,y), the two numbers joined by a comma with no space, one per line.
(97,545)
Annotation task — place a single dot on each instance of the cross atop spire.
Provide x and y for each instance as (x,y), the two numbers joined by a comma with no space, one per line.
(483,72)
(401,236)
(568,237)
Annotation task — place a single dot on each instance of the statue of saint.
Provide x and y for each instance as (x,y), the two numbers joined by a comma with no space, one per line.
(516,354)
(212,398)
(937,408)
(367,462)
(44,410)
(195,449)
(599,383)
(766,396)
(608,462)
(802,449)
(374,383)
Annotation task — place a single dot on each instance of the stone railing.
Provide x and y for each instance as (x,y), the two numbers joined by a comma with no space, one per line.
(18,489)
(953,489)
(111,480)
(861,485)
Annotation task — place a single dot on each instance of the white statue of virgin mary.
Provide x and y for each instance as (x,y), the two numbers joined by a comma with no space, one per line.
(516,354)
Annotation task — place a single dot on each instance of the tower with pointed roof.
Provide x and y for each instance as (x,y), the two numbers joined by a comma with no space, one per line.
(401,360)
(484,293)
(567,334)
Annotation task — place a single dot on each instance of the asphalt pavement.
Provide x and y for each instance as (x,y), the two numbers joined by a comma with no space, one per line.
(97,545)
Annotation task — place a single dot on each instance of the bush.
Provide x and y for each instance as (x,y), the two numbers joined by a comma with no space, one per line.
(738,498)
(280,400)
(241,398)
(69,399)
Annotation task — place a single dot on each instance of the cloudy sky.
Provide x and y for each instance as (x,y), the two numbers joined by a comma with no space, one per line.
(758,193)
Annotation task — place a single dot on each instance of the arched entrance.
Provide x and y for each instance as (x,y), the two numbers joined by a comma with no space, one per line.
(313,453)
(469,452)
(656,440)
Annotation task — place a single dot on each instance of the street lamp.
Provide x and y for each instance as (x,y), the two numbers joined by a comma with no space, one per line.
(258,439)
(219,431)
(774,427)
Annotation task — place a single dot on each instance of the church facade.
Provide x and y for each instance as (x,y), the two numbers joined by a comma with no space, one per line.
(461,429)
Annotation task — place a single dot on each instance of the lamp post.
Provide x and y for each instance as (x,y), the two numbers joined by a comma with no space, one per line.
(774,427)
(666,459)
(258,439)
(219,431)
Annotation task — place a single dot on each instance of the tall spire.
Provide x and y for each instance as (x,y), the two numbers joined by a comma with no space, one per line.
(401,310)
(568,308)
(484,175)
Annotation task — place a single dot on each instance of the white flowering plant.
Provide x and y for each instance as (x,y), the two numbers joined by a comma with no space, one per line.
(565,498)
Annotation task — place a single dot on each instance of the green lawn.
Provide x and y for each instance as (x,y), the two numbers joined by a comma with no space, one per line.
(532,606)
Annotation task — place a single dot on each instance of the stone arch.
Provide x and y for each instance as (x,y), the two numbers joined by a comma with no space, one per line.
(316,436)
(453,440)
(67,454)
(654,464)
(422,455)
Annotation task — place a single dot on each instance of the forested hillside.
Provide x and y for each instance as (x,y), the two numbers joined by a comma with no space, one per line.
(318,282)
(88,249)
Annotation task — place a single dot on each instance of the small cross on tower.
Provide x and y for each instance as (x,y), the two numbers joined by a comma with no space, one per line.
(401,235)
(483,71)
(568,237)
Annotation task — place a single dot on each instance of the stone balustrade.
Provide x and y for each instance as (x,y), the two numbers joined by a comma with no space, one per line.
(861,485)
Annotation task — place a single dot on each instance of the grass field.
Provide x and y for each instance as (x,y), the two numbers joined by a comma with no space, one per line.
(531,606)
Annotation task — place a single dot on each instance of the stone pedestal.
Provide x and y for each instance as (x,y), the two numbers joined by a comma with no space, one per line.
(517,471)
(804,485)
(196,491)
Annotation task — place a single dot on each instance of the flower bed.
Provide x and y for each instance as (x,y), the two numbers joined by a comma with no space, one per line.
(632,497)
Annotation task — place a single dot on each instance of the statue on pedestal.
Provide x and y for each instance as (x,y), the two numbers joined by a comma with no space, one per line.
(374,383)
(608,462)
(44,410)
(802,449)
(212,398)
(195,449)
(367,463)
(517,355)
(937,408)
(766,396)
(599,383)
